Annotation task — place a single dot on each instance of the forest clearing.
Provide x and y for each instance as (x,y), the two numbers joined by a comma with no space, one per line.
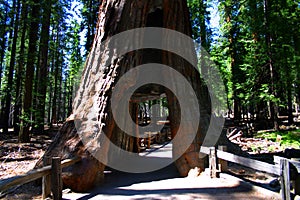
(157,94)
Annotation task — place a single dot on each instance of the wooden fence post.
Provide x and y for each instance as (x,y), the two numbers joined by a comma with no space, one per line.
(223,163)
(297,179)
(285,179)
(297,185)
(46,180)
(149,141)
(56,180)
(212,162)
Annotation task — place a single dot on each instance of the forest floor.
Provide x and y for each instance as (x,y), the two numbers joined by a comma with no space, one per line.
(17,159)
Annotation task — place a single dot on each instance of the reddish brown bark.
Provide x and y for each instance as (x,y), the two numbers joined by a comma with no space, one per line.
(116,16)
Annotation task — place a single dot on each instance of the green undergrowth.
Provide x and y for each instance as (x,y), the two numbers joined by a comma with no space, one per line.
(287,139)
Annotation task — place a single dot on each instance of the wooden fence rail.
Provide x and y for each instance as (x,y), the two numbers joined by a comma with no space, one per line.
(285,168)
(33,175)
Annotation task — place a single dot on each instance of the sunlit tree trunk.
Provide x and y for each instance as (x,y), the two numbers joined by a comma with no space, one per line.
(116,16)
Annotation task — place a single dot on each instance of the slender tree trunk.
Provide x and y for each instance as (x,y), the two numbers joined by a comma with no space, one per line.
(89,25)
(290,104)
(64,100)
(10,76)
(50,103)
(272,72)
(60,93)
(43,67)
(297,53)
(261,114)
(91,22)
(203,31)
(3,47)
(203,36)
(50,106)
(54,99)
(234,67)
(56,71)
(52,77)
(70,100)
(288,88)
(20,69)
(31,58)
(254,18)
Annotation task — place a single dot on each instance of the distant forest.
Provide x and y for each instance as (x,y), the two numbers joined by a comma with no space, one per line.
(44,44)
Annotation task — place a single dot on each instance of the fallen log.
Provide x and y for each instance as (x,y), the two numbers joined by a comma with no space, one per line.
(232,133)
(238,135)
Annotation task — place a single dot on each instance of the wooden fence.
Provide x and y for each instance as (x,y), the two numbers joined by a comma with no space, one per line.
(51,175)
(285,168)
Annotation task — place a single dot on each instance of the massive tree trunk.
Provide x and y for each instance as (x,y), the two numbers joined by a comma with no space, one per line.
(99,81)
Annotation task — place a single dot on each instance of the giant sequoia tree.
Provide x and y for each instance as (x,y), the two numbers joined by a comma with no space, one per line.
(98,83)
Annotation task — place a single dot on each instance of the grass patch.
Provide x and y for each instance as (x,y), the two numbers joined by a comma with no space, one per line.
(287,139)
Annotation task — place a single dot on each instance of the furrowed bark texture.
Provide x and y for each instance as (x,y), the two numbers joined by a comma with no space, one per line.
(181,23)
(98,82)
